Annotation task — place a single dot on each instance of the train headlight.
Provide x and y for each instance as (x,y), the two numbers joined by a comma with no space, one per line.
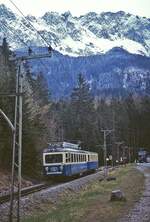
(61,168)
(46,168)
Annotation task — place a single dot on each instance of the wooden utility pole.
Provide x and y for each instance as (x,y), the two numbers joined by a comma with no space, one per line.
(17,135)
(118,149)
(106,133)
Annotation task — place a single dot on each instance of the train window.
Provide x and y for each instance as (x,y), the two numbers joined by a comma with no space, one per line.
(75,157)
(72,157)
(53,158)
(68,157)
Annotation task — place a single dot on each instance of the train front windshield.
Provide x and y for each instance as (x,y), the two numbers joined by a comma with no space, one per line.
(53,158)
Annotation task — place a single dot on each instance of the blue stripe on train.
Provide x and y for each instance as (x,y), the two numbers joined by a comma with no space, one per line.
(72,169)
(92,165)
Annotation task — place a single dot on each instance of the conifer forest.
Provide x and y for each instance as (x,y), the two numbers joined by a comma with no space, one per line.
(81,117)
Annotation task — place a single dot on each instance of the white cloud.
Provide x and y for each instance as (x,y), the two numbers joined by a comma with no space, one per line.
(80,7)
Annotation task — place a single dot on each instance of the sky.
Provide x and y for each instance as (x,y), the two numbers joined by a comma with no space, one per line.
(80,7)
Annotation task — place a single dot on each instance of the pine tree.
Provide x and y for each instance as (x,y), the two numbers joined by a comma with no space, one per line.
(7,85)
(82,120)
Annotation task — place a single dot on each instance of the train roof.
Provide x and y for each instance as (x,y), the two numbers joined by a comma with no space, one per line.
(64,147)
(66,150)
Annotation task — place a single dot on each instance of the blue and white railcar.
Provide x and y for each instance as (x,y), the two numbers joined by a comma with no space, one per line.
(66,160)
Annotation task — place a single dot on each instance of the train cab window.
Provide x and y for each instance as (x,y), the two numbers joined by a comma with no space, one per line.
(53,158)
(88,157)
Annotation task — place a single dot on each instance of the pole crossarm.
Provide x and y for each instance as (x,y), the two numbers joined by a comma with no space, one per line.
(10,95)
(7,120)
(107,131)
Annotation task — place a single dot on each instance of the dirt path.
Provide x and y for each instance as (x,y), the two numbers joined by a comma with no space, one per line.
(141,211)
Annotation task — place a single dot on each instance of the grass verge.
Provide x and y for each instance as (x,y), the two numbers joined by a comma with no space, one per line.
(92,203)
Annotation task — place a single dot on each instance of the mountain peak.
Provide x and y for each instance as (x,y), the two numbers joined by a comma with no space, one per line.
(117,50)
(66,15)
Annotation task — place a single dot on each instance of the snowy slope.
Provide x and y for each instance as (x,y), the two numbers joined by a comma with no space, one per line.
(79,36)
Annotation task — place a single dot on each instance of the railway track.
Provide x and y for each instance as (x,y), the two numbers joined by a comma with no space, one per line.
(32,189)
(24,192)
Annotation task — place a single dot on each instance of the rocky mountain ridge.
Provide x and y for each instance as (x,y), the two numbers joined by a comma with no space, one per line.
(89,34)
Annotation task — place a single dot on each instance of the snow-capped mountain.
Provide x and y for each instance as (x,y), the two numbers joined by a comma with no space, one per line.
(89,34)
(111,50)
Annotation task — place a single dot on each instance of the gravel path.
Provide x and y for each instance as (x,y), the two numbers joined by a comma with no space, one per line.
(141,211)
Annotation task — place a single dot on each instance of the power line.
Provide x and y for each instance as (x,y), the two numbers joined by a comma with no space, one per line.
(7,28)
(47,43)
(29,22)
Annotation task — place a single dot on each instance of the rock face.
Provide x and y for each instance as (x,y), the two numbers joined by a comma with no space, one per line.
(117,195)
(115,73)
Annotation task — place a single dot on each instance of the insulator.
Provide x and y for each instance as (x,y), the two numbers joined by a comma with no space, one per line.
(29,51)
